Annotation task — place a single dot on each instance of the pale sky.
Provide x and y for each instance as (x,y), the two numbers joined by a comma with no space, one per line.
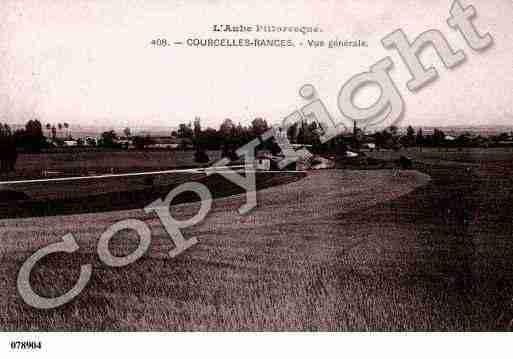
(91,62)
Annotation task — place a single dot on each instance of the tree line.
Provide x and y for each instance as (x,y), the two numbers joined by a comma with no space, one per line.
(230,136)
(28,139)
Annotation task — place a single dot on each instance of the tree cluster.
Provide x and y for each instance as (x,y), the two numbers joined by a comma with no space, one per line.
(8,153)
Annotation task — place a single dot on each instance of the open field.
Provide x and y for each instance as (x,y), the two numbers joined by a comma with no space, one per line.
(471,156)
(336,250)
(75,162)
(261,271)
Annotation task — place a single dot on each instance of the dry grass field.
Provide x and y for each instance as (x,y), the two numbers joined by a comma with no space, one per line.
(285,266)
(427,249)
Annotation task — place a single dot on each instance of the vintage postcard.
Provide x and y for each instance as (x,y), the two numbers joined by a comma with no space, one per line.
(235,166)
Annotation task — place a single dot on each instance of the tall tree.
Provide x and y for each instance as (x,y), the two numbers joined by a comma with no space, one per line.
(32,138)
(438,137)
(409,139)
(292,132)
(184,131)
(8,153)
(419,138)
(259,126)
(197,128)
(227,127)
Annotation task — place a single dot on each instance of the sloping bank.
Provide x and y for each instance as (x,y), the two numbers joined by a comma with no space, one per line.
(320,194)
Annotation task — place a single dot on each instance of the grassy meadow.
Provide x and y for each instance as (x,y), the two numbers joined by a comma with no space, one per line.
(427,249)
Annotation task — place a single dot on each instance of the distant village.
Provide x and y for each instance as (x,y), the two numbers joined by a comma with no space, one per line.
(35,136)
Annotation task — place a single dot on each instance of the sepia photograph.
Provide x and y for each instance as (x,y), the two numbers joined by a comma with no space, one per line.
(289,166)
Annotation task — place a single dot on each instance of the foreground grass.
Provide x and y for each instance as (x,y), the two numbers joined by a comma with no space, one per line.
(287,266)
(338,250)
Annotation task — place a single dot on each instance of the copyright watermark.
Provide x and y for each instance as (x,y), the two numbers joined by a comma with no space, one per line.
(385,112)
